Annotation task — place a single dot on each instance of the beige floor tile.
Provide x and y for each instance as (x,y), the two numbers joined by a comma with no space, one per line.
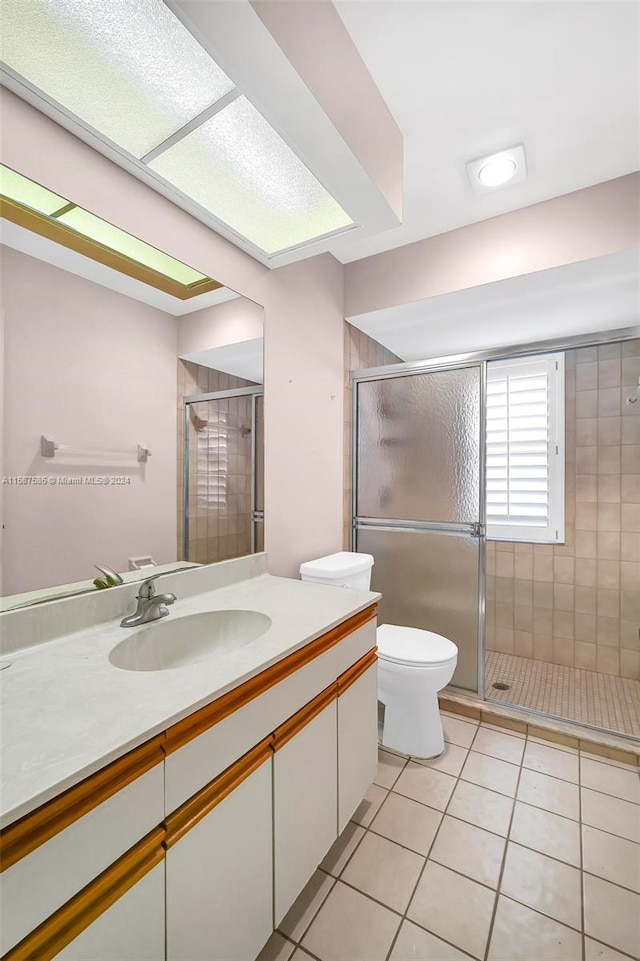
(549,793)
(457,731)
(277,948)
(450,761)
(546,832)
(520,934)
(611,858)
(300,955)
(351,927)
(469,850)
(491,773)
(611,915)
(461,717)
(552,761)
(620,783)
(369,806)
(594,951)
(416,944)
(499,745)
(385,871)
(426,785)
(408,823)
(543,884)
(481,807)
(454,908)
(389,769)
(301,913)
(545,741)
(611,814)
(342,849)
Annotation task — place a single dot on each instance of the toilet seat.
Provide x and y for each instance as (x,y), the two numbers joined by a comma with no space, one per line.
(414,647)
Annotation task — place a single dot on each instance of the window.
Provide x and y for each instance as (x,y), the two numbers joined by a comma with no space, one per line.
(525,449)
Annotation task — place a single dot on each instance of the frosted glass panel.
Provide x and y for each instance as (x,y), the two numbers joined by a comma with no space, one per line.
(127,67)
(236,166)
(29,193)
(429,580)
(419,447)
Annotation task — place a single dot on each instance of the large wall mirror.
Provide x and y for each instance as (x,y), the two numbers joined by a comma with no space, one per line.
(132,405)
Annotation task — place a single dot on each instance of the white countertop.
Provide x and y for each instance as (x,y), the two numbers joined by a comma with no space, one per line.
(67,712)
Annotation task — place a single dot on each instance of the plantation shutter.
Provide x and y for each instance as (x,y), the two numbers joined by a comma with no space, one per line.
(525,449)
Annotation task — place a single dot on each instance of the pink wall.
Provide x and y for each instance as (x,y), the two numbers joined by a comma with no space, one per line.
(228,323)
(578,226)
(305,32)
(91,368)
(303,413)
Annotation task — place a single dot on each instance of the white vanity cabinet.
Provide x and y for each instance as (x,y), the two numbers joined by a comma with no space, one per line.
(39,884)
(219,877)
(132,929)
(357,741)
(305,790)
(194,845)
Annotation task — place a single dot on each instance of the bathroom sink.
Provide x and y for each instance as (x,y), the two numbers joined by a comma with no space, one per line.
(183,641)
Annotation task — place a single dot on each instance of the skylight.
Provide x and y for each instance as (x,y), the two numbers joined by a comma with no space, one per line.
(135,77)
(28,204)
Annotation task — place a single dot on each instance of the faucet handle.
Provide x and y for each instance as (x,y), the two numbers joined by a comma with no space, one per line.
(147,588)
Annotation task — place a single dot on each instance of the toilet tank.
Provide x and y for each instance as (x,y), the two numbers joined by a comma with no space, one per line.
(344,569)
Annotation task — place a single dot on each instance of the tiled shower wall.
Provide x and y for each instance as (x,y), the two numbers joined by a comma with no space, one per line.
(216,531)
(360,352)
(578,604)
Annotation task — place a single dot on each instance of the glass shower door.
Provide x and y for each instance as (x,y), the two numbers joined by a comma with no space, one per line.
(419,503)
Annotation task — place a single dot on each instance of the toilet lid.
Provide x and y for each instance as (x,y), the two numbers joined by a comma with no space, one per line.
(410,645)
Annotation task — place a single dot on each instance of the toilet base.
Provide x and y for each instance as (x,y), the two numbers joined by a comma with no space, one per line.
(412,726)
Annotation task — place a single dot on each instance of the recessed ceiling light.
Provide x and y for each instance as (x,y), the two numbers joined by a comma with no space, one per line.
(495,170)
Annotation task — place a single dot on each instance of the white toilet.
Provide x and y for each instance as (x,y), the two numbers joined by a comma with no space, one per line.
(413,665)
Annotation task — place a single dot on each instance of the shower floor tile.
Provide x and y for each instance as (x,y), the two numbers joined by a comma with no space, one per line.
(602,700)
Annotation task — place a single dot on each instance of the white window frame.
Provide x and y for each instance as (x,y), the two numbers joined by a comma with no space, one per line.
(554,531)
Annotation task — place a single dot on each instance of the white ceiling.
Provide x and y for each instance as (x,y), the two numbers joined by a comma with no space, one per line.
(592,295)
(466,79)
(244,359)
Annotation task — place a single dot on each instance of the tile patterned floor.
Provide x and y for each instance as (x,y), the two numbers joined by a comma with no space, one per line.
(605,701)
(505,848)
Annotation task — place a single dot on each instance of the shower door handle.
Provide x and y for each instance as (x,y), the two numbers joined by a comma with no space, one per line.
(478,530)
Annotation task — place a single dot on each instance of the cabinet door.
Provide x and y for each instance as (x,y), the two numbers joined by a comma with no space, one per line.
(304,805)
(357,742)
(132,929)
(220,877)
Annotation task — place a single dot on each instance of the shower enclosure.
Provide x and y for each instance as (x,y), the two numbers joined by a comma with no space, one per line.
(549,627)
(223,475)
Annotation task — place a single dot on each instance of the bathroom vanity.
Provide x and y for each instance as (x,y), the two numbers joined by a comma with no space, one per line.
(177,812)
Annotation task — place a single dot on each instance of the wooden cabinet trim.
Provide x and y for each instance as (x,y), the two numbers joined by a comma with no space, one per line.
(25,835)
(22,837)
(356,671)
(199,722)
(54,934)
(188,814)
(301,718)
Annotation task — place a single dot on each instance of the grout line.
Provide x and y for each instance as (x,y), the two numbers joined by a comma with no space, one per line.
(583,916)
(504,860)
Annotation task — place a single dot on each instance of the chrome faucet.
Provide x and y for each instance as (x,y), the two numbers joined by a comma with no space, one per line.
(151,606)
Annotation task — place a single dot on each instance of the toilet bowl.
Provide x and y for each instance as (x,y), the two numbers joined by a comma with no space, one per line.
(413,665)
